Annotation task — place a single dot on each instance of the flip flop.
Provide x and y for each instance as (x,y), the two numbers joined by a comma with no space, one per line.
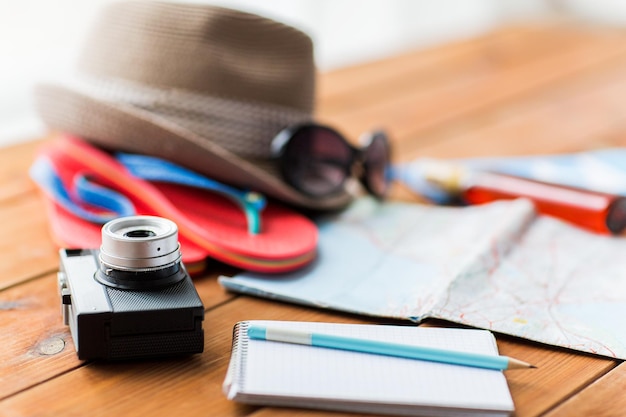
(74,226)
(69,155)
(207,220)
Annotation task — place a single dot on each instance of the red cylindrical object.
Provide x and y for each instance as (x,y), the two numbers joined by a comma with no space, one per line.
(600,212)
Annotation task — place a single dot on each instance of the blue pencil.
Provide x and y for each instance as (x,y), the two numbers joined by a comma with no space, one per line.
(385,348)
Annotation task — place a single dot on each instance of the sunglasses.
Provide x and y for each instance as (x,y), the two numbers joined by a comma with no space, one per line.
(318,161)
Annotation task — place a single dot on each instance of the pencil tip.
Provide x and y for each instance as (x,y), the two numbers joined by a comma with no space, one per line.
(517,364)
(533,366)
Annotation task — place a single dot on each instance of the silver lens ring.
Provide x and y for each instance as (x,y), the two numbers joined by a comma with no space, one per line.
(139,243)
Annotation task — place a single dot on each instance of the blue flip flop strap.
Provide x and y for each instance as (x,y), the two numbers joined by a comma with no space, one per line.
(111,203)
(99,196)
(115,204)
(156,169)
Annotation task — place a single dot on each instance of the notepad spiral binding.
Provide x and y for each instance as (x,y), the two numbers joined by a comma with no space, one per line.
(235,375)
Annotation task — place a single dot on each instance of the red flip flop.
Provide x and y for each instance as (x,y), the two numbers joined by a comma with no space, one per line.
(208,222)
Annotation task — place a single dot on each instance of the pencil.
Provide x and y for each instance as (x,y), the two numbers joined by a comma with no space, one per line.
(385,348)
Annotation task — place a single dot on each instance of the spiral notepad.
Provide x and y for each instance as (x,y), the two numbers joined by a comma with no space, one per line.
(280,374)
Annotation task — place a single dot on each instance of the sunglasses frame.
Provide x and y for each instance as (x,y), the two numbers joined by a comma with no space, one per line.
(280,145)
(366,141)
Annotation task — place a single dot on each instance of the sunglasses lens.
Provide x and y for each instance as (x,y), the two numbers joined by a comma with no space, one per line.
(376,165)
(317,161)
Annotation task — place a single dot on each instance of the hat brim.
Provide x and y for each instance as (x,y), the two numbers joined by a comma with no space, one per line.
(123,127)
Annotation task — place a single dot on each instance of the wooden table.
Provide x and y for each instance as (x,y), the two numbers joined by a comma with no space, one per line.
(531,89)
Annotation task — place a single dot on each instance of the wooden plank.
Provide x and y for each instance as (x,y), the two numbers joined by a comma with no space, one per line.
(193,386)
(15,159)
(22,219)
(25,240)
(345,88)
(572,117)
(413,113)
(605,397)
(37,346)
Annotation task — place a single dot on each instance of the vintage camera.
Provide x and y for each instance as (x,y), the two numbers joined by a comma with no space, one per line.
(133,298)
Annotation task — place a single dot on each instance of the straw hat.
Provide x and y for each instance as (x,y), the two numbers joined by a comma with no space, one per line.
(203,86)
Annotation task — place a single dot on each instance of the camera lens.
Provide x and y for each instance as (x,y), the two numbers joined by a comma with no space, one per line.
(140,233)
(139,252)
(139,242)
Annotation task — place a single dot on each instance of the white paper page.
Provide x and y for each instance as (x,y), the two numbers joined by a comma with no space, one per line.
(281,369)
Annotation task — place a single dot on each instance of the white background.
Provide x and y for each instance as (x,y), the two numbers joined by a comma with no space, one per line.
(40,39)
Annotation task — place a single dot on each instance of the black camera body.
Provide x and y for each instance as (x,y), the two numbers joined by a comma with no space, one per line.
(133,298)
